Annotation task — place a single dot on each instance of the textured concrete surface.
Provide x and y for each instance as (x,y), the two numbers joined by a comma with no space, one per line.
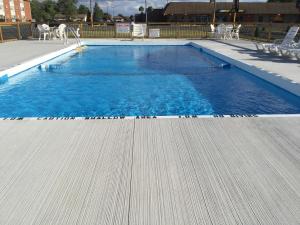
(156,171)
(15,52)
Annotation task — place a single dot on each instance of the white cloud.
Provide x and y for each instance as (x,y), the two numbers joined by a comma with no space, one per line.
(129,7)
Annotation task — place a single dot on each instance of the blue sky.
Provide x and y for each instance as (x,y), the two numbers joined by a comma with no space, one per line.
(129,7)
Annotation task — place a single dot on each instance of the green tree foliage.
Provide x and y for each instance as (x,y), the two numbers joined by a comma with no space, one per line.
(49,10)
(83,10)
(141,9)
(36,10)
(98,13)
(43,11)
(67,7)
(282,0)
(149,9)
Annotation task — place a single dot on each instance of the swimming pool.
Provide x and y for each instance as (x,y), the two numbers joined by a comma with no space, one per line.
(140,81)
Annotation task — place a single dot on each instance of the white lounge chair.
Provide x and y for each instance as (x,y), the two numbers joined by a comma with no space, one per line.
(44,30)
(286,42)
(293,53)
(139,30)
(285,50)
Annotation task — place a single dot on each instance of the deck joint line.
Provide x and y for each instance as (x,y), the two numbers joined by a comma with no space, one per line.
(131,175)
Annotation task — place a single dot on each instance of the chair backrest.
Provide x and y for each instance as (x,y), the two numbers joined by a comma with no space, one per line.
(139,30)
(62,31)
(221,28)
(40,28)
(212,27)
(229,27)
(46,27)
(291,34)
(62,27)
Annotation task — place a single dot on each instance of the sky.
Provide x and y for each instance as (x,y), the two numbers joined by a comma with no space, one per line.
(130,7)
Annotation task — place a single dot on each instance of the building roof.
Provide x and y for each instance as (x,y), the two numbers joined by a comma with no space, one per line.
(188,8)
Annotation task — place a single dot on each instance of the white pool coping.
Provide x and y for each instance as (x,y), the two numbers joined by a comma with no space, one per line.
(35,62)
(278,81)
(154,117)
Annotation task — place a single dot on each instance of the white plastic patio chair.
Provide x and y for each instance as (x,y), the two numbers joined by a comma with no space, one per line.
(213,30)
(236,32)
(221,31)
(44,30)
(139,30)
(228,32)
(61,31)
(286,42)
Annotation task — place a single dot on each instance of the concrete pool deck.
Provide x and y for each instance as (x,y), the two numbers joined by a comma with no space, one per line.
(156,171)
(151,171)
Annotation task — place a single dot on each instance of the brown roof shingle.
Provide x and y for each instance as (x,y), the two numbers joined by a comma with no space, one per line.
(186,8)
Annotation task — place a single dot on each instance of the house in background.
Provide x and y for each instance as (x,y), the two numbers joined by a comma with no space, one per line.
(15,10)
(249,12)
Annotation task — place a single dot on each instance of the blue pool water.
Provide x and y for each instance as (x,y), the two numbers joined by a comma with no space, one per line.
(140,80)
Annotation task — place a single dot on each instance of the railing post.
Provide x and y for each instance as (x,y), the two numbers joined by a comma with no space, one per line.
(1,35)
(270,32)
(81,31)
(19,31)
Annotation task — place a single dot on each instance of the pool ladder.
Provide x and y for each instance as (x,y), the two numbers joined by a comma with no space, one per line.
(75,34)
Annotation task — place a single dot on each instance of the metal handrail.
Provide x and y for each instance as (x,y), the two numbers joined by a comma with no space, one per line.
(76,36)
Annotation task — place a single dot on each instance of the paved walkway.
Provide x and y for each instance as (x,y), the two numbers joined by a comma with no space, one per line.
(158,171)
(16,52)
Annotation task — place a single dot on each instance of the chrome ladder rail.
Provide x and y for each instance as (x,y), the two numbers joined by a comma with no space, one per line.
(76,36)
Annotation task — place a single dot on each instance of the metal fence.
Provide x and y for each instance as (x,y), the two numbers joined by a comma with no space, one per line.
(13,31)
(257,31)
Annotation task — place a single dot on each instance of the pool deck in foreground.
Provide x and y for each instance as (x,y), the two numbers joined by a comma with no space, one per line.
(150,171)
(156,171)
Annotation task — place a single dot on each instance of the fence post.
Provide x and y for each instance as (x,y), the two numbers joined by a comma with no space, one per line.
(19,31)
(81,31)
(270,32)
(1,35)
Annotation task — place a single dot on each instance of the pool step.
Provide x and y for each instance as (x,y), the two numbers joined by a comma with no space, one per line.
(225,65)
(49,67)
(3,79)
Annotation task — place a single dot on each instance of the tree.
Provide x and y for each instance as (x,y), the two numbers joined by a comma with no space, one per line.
(49,10)
(98,13)
(43,11)
(150,9)
(36,10)
(282,0)
(141,9)
(67,7)
(83,10)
